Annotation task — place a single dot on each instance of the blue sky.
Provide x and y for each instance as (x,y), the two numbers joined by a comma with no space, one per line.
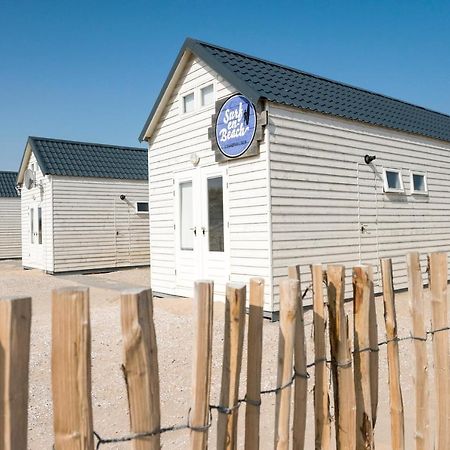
(91,70)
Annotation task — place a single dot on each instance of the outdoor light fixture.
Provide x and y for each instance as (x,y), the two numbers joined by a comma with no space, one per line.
(369,158)
(123,197)
(195,159)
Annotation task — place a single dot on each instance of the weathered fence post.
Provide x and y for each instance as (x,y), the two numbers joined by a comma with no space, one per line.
(422,432)
(362,373)
(301,379)
(289,292)
(344,389)
(201,381)
(71,370)
(438,286)
(374,355)
(141,366)
(15,324)
(321,394)
(254,359)
(231,367)
(395,390)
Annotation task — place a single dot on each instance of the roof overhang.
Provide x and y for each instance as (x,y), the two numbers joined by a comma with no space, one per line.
(26,159)
(189,48)
(24,164)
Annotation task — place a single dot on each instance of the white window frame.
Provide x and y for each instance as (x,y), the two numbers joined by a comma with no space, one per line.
(143,213)
(385,181)
(197,99)
(425,182)
(200,89)
(182,97)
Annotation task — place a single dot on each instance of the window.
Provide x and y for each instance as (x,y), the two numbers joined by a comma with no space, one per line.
(188,103)
(419,183)
(392,180)
(142,207)
(207,95)
(187,229)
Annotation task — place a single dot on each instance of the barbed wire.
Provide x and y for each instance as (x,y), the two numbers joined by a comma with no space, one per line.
(230,410)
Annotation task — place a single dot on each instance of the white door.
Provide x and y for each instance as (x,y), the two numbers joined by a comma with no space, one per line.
(213,228)
(187,268)
(36,235)
(200,197)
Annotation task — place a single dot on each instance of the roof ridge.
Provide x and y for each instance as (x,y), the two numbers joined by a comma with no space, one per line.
(9,171)
(320,77)
(40,138)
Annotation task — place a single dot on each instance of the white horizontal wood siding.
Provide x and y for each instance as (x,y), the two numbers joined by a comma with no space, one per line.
(41,194)
(175,139)
(94,229)
(10,228)
(323,193)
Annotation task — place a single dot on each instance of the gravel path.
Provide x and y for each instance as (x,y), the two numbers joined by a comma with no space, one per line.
(174,328)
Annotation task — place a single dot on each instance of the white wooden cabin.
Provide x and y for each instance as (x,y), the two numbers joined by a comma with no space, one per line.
(10,232)
(302,185)
(84,206)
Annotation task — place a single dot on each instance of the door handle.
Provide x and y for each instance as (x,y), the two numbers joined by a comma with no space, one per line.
(204,231)
(194,229)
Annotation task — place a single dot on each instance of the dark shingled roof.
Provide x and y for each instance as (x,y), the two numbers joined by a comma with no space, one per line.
(83,159)
(8,184)
(257,78)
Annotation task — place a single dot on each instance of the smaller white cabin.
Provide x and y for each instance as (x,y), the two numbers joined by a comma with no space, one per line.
(10,234)
(84,206)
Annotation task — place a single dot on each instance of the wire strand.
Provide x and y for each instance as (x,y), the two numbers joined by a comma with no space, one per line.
(222,409)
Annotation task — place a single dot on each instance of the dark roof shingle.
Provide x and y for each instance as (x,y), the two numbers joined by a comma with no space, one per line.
(8,184)
(258,79)
(83,159)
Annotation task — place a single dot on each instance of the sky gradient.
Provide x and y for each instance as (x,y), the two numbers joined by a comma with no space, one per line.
(91,70)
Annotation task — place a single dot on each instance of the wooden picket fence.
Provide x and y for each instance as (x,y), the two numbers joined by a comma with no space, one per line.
(353,361)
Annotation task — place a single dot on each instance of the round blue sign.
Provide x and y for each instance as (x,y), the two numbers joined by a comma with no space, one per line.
(235,126)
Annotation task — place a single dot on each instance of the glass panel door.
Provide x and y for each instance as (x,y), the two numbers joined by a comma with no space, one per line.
(213,221)
(215,214)
(32,225)
(187,229)
(39,211)
(187,232)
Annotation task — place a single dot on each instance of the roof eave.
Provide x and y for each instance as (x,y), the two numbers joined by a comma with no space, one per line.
(192,46)
(30,148)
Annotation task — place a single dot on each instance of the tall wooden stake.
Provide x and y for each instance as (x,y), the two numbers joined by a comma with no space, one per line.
(344,389)
(361,312)
(301,380)
(15,324)
(231,368)
(417,307)
(321,395)
(395,391)
(289,292)
(201,380)
(374,355)
(254,359)
(141,366)
(438,269)
(71,370)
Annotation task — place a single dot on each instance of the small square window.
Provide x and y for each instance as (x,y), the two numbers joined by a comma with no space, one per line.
(188,103)
(392,179)
(418,183)
(207,95)
(142,207)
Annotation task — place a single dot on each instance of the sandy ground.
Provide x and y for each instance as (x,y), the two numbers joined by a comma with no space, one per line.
(174,328)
